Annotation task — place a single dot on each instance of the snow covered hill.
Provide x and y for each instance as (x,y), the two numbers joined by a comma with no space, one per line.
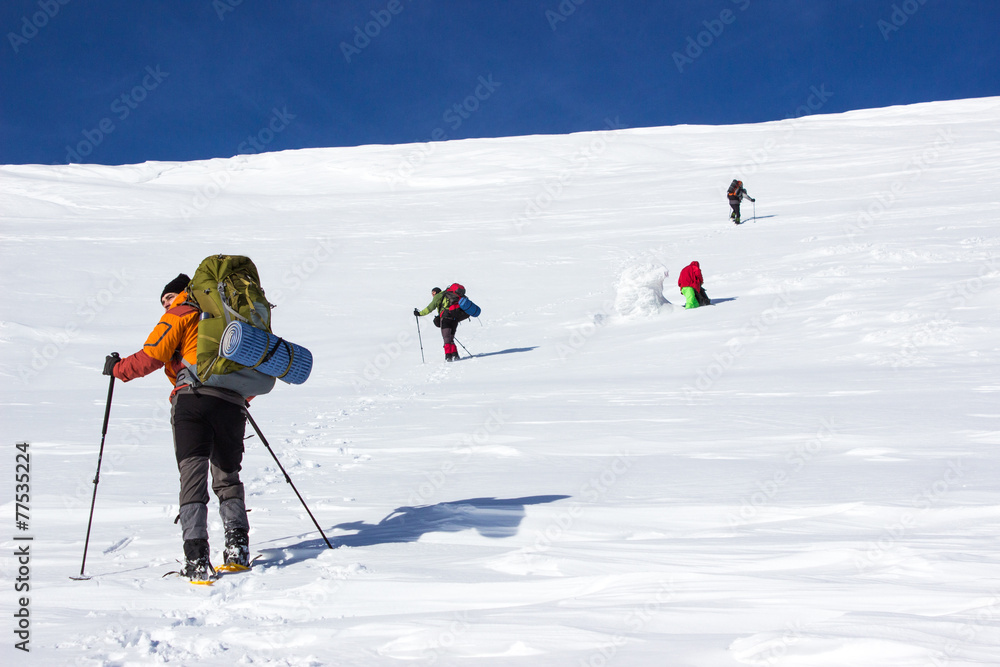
(804,473)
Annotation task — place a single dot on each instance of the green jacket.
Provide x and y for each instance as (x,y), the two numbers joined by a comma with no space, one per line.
(439,303)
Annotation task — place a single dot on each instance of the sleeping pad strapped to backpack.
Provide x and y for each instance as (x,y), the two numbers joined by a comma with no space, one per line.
(226,288)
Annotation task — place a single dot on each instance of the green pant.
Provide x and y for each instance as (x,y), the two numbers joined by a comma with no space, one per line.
(692,298)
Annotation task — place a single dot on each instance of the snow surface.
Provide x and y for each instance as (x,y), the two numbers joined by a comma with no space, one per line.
(804,473)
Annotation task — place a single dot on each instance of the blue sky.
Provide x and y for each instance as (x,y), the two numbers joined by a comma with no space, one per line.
(117,82)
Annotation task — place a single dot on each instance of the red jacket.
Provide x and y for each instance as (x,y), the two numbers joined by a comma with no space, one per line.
(690,276)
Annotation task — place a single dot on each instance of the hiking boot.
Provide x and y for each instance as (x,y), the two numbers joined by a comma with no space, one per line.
(197,566)
(198,570)
(237,552)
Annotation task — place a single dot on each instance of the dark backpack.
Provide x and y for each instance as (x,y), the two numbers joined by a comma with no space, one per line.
(734,188)
(456,305)
(449,307)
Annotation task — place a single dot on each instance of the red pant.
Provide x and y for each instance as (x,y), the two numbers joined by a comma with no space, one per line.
(448,329)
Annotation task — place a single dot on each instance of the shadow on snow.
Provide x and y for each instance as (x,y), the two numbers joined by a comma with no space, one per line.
(490,517)
(510,351)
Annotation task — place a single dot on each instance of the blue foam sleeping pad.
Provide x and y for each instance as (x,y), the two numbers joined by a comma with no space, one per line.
(266,352)
(472,309)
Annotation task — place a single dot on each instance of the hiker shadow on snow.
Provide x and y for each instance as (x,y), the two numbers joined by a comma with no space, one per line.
(508,351)
(496,518)
(759,217)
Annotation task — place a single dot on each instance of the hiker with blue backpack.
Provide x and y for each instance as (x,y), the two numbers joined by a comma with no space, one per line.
(452,307)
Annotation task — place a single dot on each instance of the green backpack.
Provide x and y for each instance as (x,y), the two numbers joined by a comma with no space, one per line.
(227,288)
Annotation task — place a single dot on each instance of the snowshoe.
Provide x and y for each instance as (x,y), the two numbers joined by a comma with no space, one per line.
(198,571)
(237,552)
(233,568)
(197,568)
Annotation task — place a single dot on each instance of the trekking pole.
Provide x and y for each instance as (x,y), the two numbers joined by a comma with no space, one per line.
(420,338)
(97,477)
(755,210)
(287,478)
(464,348)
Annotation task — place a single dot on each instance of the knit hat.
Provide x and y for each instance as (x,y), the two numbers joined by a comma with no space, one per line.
(176,286)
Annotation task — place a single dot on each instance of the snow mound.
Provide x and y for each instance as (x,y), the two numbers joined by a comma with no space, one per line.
(639,290)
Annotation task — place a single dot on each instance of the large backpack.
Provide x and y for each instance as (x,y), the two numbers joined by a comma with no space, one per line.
(734,188)
(226,288)
(458,304)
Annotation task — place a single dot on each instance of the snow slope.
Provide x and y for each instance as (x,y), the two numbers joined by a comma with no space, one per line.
(804,473)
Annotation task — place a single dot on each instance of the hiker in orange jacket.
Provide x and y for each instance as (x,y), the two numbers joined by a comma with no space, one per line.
(172,345)
(208,426)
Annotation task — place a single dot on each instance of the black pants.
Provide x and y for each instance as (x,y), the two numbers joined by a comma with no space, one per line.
(208,436)
(735,204)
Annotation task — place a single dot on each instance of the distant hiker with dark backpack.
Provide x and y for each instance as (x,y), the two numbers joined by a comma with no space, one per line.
(452,307)
(736,193)
(690,281)
(208,417)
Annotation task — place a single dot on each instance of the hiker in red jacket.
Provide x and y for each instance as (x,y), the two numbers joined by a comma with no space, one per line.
(690,281)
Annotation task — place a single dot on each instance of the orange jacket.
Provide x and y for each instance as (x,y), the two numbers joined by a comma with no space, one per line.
(173,345)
